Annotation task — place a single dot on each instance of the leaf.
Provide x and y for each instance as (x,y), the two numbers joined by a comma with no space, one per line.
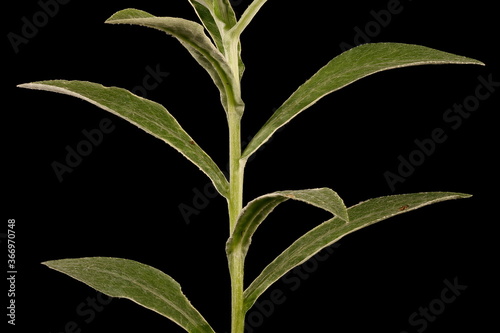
(345,69)
(224,12)
(192,36)
(361,215)
(257,210)
(218,17)
(145,114)
(143,284)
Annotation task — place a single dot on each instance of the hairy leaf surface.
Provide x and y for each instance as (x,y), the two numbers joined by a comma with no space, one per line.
(345,69)
(204,11)
(138,282)
(145,114)
(217,16)
(361,215)
(192,36)
(257,210)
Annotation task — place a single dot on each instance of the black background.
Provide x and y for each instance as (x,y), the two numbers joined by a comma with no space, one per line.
(123,199)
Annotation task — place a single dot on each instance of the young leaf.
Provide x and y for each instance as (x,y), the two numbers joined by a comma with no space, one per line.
(225,13)
(257,210)
(361,215)
(218,17)
(205,13)
(145,114)
(143,284)
(345,69)
(192,36)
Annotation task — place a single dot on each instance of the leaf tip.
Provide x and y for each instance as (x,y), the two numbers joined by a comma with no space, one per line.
(129,13)
(472,61)
(345,216)
(463,195)
(48,264)
(24,85)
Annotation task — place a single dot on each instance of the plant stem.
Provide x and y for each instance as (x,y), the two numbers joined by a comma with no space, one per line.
(235,171)
(247,16)
(236,260)
(235,200)
(236,270)
(236,166)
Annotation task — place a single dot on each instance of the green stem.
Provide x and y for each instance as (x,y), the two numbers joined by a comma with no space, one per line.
(236,269)
(235,171)
(247,17)
(235,200)
(236,259)
(236,166)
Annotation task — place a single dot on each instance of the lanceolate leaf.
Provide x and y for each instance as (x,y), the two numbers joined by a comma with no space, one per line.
(140,283)
(223,10)
(218,17)
(345,69)
(205,13)
(361,215)
(147,115)
(257,210)
(192,36)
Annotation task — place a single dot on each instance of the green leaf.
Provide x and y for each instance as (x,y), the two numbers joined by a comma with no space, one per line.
(140,283)
(345,69)
(145,114)
(361,215)
(257,210)
(224,12)
(205,13)
(192,36)
(217,17)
